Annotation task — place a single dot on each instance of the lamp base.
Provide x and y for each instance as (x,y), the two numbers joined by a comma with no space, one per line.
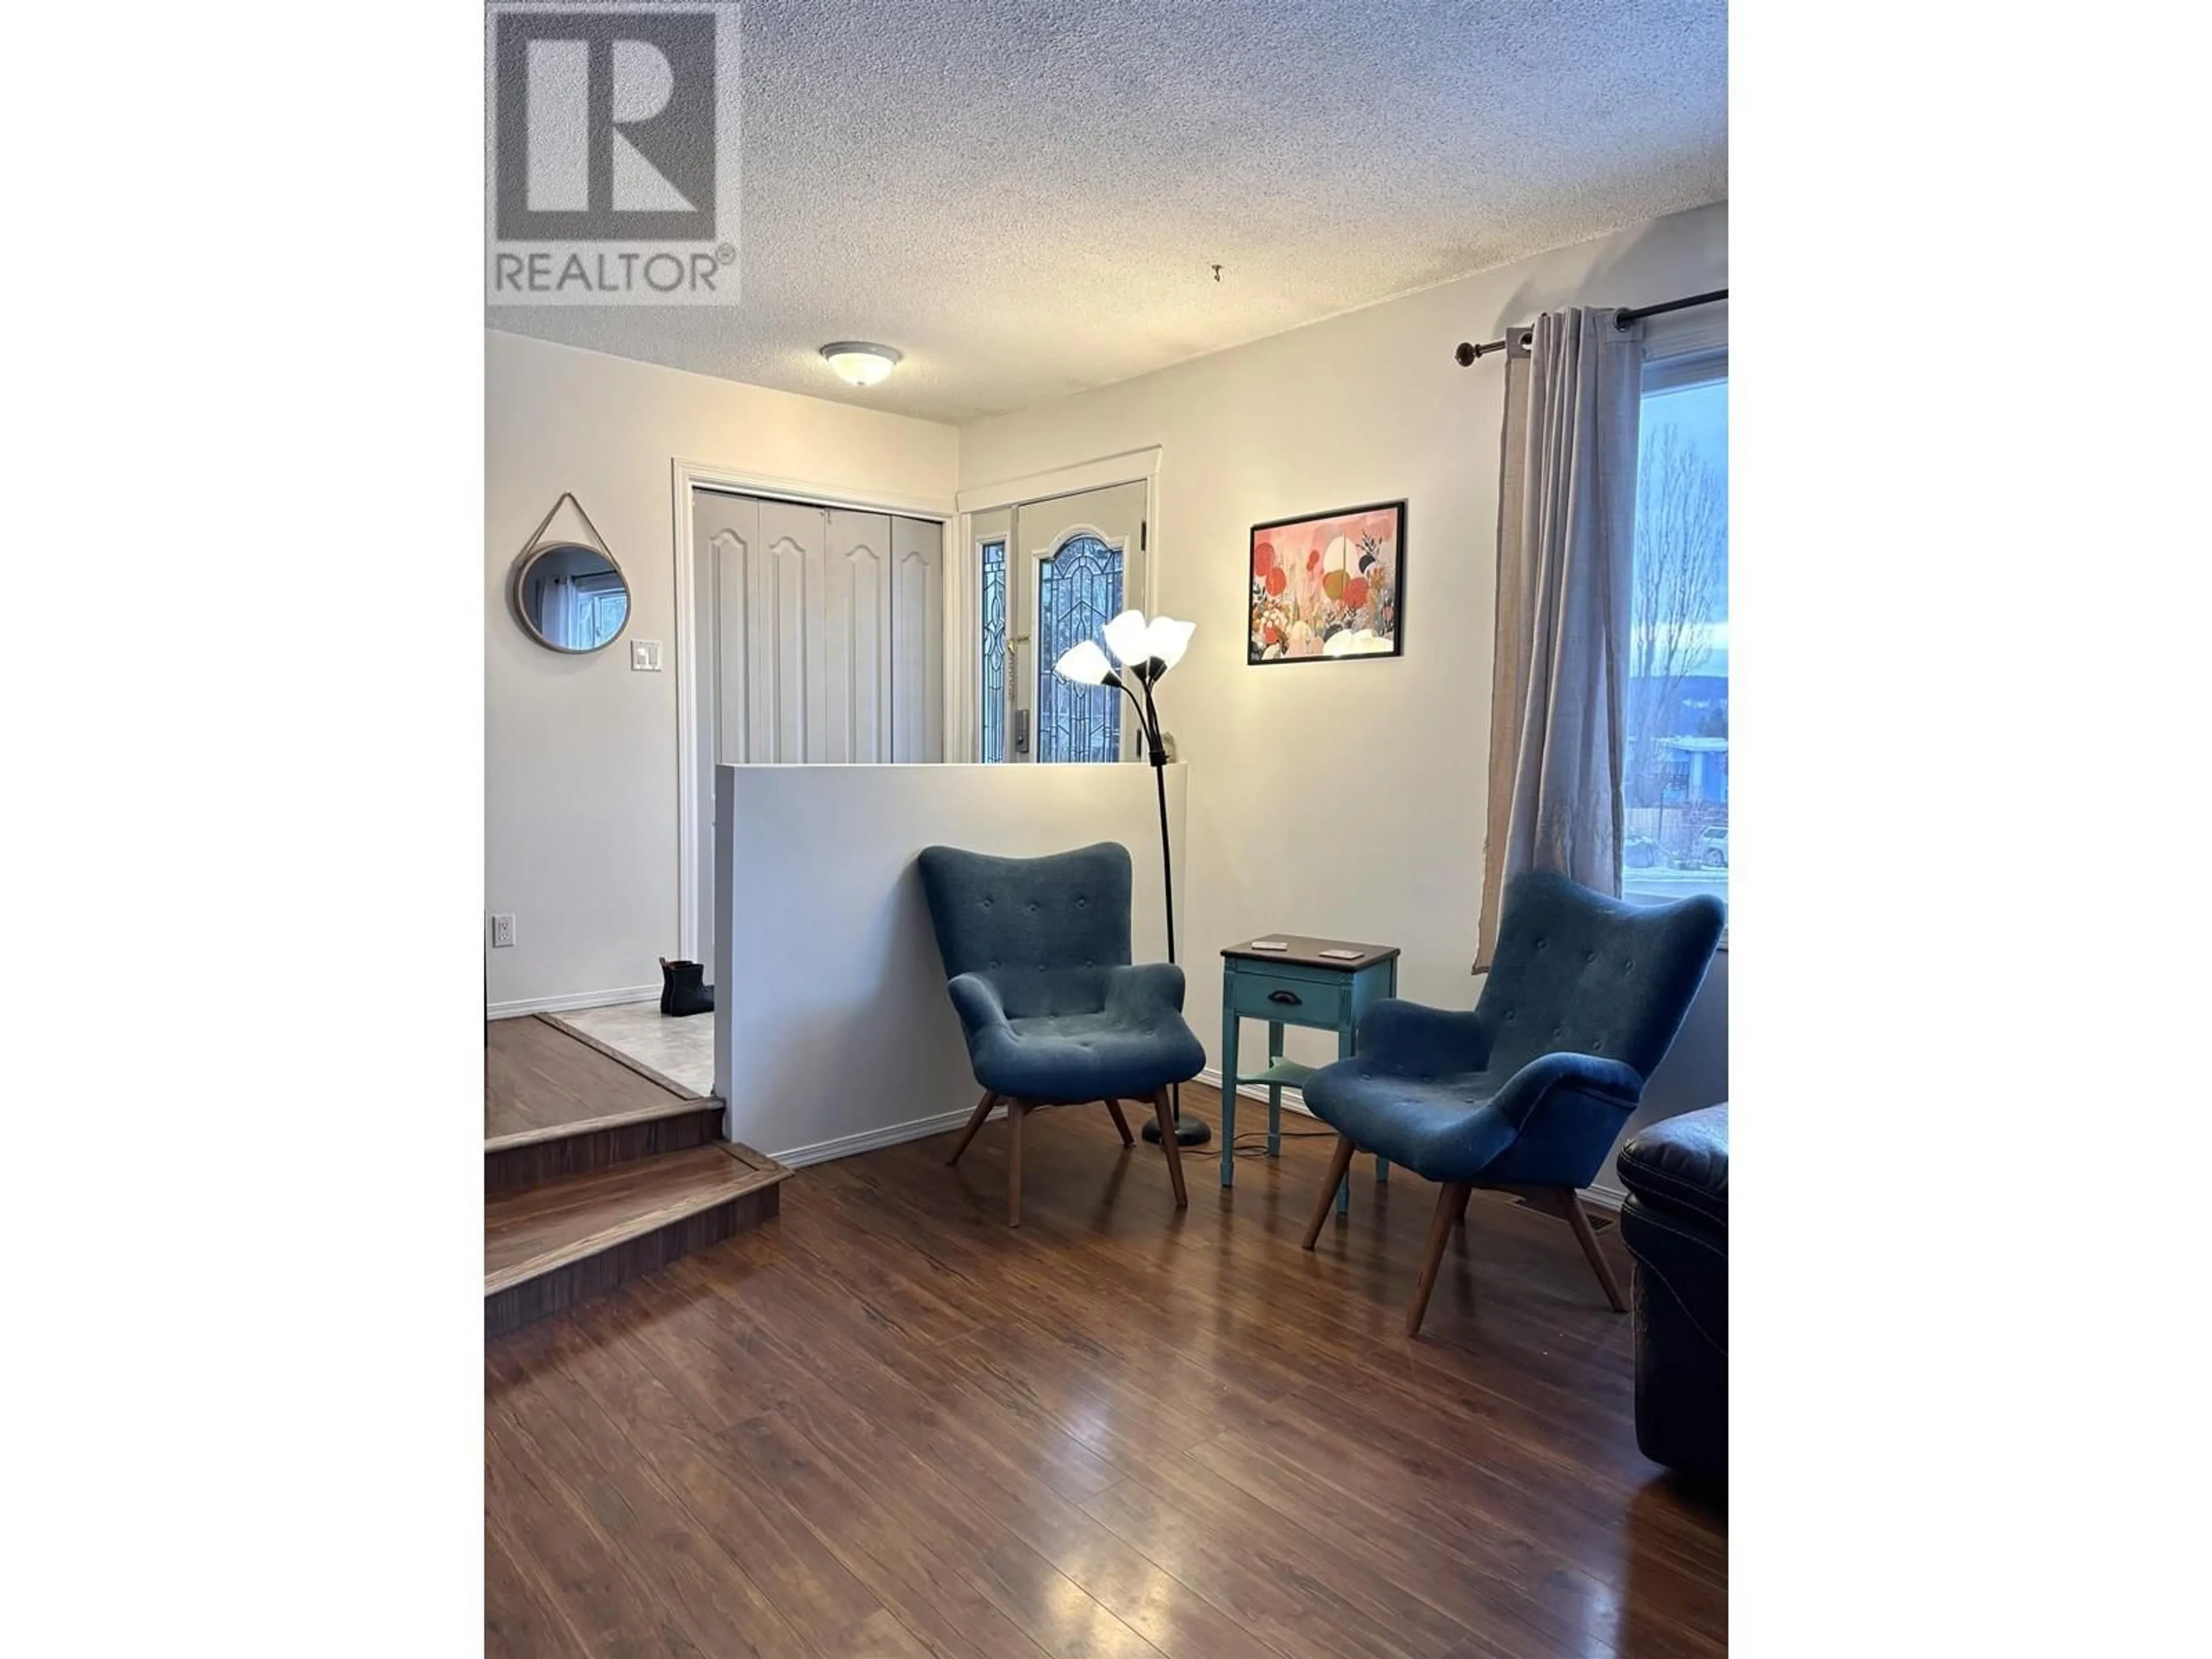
(1189,1131)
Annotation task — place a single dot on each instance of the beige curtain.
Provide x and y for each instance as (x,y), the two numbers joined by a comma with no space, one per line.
(1567,535)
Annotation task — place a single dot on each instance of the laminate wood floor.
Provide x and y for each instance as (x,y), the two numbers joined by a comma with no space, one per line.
(541,1083)
(887,1424)
(530,1232)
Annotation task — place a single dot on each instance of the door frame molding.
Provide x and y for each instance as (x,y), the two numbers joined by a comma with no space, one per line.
(964,591)
(684,476)
(1125,466)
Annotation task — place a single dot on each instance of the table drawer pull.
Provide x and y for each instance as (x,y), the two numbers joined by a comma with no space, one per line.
(1287,1000)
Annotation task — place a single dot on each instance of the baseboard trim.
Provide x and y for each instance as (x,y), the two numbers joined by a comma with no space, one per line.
(1292,1098)
(891,1135)
(581,999)
(919,1128)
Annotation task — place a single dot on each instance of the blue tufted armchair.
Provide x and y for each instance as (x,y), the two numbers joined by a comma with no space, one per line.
(1529,1091)
(1036,955)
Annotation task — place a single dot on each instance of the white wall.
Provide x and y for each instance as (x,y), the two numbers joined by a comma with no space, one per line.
(833,1032)
(581,752)
(1347,799)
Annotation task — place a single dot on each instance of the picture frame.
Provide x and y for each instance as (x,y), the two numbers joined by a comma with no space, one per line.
(1327,586)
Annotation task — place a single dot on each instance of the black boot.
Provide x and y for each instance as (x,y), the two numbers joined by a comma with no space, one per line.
(683,990)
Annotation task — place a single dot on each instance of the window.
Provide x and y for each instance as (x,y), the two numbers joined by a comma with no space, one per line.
(1078,592)
(1676,771)
(574,601)
(602,607)
(996,653)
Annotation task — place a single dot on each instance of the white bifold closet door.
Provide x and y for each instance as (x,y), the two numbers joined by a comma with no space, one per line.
(821,631)
(917,639)
(820,636)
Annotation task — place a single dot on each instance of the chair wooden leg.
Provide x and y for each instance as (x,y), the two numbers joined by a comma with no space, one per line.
(1016,1111)
(974,1122)
(1571,1202)
(1451,1199)
(1165,1113)
(1339,1162)
(1121,1122)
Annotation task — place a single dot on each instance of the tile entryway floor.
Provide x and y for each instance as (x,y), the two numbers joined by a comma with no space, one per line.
(679,1053)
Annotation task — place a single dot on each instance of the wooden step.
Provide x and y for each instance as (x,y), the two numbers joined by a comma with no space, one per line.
(556,1106)
(553,1245)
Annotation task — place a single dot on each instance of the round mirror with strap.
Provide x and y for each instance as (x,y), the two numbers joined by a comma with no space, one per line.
(569,596)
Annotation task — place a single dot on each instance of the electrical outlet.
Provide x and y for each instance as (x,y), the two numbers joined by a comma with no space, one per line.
(645,656)
(502,933)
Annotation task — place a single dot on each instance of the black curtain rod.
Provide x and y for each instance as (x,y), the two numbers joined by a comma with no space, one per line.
(1465,354)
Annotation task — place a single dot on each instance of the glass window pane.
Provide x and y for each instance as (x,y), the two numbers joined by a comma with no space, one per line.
(995,651)
(1676,779)
(1079,591)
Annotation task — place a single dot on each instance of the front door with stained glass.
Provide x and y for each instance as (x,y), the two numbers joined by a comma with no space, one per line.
(1069,565)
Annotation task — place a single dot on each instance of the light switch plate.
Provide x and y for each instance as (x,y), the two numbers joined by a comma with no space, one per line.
(645,656)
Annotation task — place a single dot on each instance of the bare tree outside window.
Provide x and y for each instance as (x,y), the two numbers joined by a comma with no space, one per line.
(1675,779)
(1681,582)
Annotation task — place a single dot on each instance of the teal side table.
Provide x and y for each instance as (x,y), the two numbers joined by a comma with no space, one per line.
(1298,985)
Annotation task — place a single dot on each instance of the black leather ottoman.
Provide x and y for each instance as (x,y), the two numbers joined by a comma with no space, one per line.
(1675,1225)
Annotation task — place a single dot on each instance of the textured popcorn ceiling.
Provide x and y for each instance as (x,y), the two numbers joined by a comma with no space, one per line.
(1026,198)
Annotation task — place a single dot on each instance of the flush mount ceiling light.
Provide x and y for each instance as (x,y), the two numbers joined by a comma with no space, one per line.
(862,362)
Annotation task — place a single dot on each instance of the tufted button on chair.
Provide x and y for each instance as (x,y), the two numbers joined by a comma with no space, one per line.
(1081,1023)
(1478,1099)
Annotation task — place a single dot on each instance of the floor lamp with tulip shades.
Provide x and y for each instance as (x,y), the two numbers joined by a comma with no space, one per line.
(1144,651)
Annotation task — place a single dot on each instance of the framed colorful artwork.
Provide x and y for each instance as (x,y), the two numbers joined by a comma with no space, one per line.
(1329,584)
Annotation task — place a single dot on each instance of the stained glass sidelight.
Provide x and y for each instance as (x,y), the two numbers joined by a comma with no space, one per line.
(1079,591)
(994,652)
